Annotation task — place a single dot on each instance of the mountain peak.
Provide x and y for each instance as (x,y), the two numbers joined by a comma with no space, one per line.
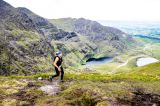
(23,9)
(4,4)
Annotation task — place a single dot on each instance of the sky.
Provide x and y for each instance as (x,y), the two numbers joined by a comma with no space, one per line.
(120,10)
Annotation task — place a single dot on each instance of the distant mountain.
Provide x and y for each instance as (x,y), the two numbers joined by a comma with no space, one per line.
(26,39)
(92,29)
(95,32)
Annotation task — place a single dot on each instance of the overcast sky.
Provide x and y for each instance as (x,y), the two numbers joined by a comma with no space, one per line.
(134,10)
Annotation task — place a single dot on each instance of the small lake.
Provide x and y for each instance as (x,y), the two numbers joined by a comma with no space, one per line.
(146,61)
(99,61)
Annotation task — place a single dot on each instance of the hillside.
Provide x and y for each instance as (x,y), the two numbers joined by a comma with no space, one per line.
(19,41)
(26,40)
(140,88)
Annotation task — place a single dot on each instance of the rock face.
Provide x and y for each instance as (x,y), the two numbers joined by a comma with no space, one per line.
(26,39)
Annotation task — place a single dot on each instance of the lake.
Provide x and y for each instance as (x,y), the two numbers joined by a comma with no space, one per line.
(146,61)
(99,61)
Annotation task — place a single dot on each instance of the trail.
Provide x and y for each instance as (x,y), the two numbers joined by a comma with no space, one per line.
(146,46)
(150,47)
(52,88)
(125,63)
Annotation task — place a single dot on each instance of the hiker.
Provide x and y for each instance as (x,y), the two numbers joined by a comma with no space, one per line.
(58,66)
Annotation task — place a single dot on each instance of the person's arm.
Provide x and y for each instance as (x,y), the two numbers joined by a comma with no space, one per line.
(55,62)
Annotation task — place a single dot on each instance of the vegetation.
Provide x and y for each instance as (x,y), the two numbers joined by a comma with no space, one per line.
(86,89)
(26,63)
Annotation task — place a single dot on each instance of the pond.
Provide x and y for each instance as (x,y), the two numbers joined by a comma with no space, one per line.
(146,61)
(98,61)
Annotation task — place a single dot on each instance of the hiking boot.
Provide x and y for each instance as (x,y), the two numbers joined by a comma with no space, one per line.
(62,80)
(50,78)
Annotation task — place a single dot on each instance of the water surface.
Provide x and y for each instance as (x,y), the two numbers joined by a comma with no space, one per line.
(99,61)
(146,61)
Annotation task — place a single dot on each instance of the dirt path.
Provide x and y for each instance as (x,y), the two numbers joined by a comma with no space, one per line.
(125,63)
(51,89)
(146,46)
(15,92)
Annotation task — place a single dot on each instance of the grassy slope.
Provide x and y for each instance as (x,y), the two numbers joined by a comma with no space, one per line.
(88,88)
